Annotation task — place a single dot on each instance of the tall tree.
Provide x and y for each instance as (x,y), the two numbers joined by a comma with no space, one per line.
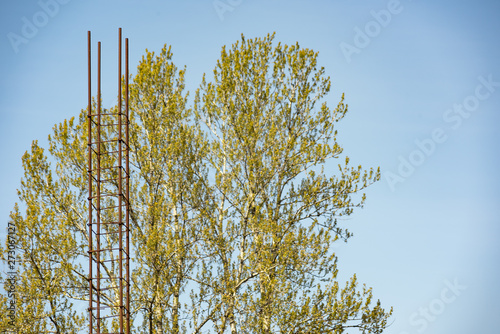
(167,150)
(272,268)
(235,205)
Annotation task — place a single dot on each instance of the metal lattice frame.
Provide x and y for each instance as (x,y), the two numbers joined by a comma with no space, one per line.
(109,189)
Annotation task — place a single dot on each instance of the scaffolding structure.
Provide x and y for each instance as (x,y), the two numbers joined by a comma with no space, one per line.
(109,206)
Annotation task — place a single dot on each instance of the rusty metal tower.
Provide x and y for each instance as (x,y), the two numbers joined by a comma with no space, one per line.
(109,206)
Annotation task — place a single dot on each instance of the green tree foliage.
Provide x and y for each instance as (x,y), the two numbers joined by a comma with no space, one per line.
(234,208)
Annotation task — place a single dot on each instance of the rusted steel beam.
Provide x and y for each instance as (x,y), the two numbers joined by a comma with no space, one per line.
(127,189)
(89,173)
(120,190)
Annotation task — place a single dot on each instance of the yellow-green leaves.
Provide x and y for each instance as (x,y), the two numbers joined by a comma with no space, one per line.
(271,135)
(234,202)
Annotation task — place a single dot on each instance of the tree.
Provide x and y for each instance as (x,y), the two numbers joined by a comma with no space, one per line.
(233,212)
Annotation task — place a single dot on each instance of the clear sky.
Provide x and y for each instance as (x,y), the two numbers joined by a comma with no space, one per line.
(422,80)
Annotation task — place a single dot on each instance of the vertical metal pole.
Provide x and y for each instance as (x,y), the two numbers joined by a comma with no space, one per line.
(120,176)
(98,250)
(127,189)
(89,173)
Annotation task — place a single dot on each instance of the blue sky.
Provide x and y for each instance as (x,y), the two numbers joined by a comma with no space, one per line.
(422,80)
